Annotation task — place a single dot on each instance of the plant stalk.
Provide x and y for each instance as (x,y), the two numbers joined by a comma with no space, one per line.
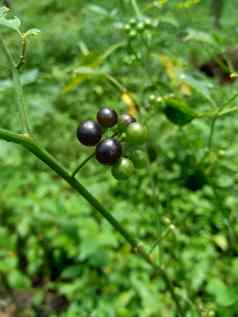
(18,87)
(84,162)
(32,146)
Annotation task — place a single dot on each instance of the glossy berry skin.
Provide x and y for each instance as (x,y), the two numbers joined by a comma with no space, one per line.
(123,169)
(108,151)
(124,120)
(107,117)
(89,133)
(136,133)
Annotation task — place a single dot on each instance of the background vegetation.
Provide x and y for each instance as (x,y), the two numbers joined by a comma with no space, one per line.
(57,256)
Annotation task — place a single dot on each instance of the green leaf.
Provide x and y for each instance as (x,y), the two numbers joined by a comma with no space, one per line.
(3,11)
(90,67)
(178,112)
(13,23)
(201,87)
(97,9)
(206,38)
(169,20)
(32,32)
(18,280)
(225,295)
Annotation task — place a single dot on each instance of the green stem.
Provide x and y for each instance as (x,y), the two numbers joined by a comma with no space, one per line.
(18,87)
(115,82)
(32,146)
(22,60)
(82,164)
(136,8)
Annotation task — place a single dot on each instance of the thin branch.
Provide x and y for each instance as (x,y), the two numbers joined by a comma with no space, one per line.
(18,87)
(115,82)
(136,8)
(81,165)
(22,60)
(31,145)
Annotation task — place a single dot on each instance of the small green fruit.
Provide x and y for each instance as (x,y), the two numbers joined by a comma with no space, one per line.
(140,27)
(132,22)
(123,169)
(132,34)
(136,133)
(139,159)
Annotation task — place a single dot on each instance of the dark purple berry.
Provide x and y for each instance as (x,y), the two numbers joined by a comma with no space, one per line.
(89,133)
(108,151)
(107,117)
(127,119)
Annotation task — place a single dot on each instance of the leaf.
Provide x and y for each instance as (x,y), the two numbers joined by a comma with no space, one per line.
(27,77)
(13,23)
(82,73)
(169,20)
(169,66)
(32,32)
(18,280)
(133,108)
(194,35)
(3,11)
(187,4)
(173,69)
(221,241)
(201,87)
(90,67)
(97,9)
(178,112)
(225,295)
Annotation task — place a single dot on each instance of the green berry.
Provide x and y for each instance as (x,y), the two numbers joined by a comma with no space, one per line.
(132,22)
(139,159)
(148,22)
(123,169)
(132,34)
(140,27)
(136,133)
(127,28)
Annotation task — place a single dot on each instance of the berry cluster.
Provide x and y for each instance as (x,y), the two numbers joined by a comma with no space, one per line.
(136,27)
(121,150)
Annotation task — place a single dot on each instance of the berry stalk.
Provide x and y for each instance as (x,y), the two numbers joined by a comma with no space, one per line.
(32,146)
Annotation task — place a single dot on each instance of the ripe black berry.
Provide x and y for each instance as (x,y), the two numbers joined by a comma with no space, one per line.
(127,119)
(107,117)
(124,120)
(108,151)
(89,133)
(196,180)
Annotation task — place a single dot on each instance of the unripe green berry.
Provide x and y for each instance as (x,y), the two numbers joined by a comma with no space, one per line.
(139,159)
(132,34)
(132,22)
(136,133)
(127,28)
(123,169)
(140,27)
(148,22)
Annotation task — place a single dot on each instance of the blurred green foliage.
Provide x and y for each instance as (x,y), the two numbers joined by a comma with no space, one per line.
(54,248)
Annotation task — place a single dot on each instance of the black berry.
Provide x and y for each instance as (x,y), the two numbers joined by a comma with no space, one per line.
(89,133)
(127,118)
(108,151)
(107,117)
(196,180)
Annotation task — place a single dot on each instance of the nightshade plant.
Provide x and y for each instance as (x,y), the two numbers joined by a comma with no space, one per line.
(28,141)
(120,149)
